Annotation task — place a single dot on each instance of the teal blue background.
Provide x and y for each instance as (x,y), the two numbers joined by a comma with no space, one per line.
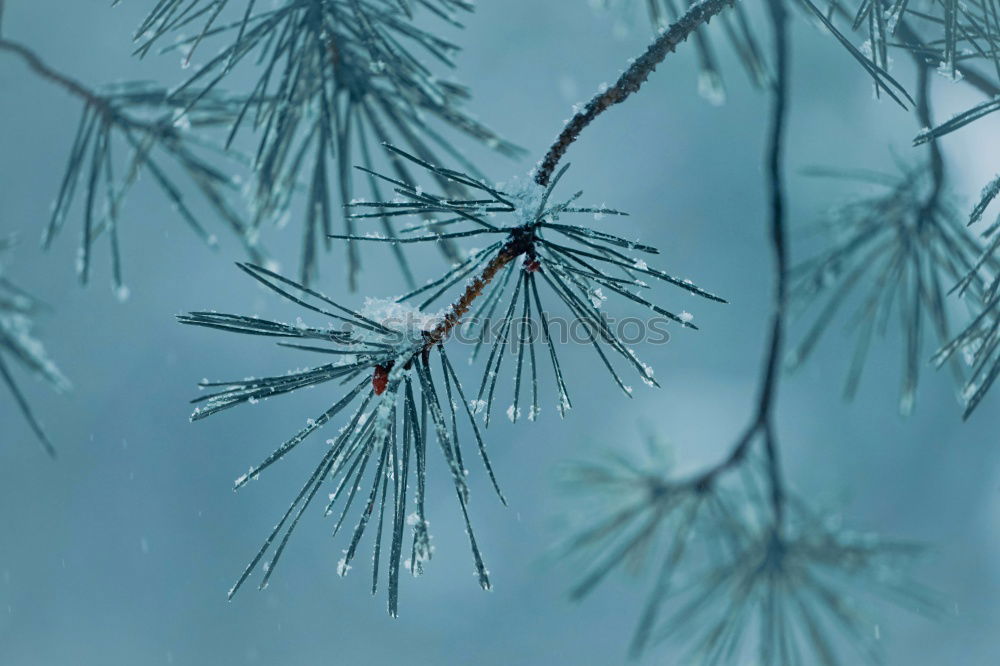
(121,551)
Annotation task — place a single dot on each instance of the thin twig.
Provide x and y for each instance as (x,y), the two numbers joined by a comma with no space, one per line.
(776,193)
(510,251)
(776,185)
(629,82)
(924,115)
(38,66)
(926,120)
(762,423)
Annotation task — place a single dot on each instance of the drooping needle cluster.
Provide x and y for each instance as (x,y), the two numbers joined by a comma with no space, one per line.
(893,256)
(727,583)
(157,132)
(333,79)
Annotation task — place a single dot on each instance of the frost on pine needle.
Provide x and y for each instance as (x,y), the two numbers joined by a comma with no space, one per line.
(527,199)
(986,197)
(894,256)
(403,317)
(943,37)
(958,121)
(951,33)
(979,341)
(725,581)
(979,345)
(19,347)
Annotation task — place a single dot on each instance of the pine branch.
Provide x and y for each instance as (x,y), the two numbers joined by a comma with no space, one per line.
(522,240)
(384,344)
(761,570)
(905,255)
(929,247)
(910,246)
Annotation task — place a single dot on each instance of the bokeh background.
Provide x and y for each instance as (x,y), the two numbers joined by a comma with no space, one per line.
(122,550)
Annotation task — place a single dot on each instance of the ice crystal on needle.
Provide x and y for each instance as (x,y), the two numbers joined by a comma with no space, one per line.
(19,345)
(403,317)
